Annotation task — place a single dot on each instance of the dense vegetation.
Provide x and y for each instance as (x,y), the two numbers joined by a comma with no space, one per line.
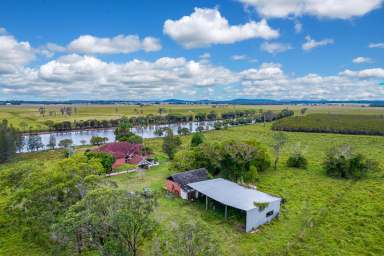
(10,141)
(329,123)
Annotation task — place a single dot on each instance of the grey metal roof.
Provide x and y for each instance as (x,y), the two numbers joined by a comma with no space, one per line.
(232,194)
(183,178)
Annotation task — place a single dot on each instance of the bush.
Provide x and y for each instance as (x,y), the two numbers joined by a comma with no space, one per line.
(341,162)
(297,161)
(105,159)
(197,139)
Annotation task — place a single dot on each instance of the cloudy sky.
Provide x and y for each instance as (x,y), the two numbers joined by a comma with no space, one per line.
(192,49)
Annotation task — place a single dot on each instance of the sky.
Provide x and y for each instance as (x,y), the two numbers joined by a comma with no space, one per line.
(192,49)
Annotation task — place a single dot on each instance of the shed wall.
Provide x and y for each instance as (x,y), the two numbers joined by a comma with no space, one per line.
(255,218)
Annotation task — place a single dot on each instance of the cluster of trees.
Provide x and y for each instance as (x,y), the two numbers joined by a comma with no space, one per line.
(342,162)
(68,206)
(123,132)
(10,141)
(332,123)
(98,140)
(238,161)
(238,117)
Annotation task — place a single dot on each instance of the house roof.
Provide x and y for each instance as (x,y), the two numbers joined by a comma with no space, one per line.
(232,194)
(120,149)
(183,178)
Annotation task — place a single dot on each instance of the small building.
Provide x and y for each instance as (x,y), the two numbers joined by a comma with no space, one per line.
(177,183)
(259,207)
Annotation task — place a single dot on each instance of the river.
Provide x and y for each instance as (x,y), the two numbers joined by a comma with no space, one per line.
(83,137)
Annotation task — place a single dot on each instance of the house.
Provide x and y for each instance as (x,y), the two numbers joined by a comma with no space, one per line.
(177,183)
(259,207)
(124,152)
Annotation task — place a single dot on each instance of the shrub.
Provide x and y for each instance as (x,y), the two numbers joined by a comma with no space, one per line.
(341,162)
(105,159)
(197,139)
(297,161)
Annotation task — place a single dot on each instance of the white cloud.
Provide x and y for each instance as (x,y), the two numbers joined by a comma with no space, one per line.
(14,54)
(273,47)
(89,44)
(311,43)
(239,57)
(348,85)
(376,45)
(266,71)
(360,60)
(334,9)
(3,31)
(298,26)
(205,55)
(205,27)
(75,76)
(365,73)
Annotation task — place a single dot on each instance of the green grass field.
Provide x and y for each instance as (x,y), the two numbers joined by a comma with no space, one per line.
(322,215)
(29,114)
(333,123)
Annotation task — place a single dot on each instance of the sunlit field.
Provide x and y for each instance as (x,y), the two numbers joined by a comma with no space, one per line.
(321,216)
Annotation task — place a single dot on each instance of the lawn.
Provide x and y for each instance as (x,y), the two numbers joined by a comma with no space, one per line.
(322,215)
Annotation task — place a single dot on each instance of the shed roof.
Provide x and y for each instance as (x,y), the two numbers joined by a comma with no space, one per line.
(232,194)
(183,178)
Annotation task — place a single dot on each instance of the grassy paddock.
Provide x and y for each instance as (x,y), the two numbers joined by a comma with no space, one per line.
(333,123)
(322,215)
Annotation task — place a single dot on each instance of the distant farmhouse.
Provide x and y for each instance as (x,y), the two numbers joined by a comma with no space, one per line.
(259,207)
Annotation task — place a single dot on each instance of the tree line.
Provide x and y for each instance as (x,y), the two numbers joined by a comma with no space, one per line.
(238,117)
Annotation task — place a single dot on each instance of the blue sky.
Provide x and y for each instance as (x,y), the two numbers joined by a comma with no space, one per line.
(278,49)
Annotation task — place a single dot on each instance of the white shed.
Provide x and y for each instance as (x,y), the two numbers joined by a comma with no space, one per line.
(259,207)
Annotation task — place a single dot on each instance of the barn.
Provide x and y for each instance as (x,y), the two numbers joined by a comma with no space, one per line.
(178,183)
(259,207)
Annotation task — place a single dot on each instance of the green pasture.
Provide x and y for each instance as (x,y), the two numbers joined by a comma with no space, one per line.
(321,216)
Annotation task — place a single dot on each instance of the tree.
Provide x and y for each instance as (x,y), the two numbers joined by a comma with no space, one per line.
(83,142)
(183,131)
(197,139)
(159,132)
(217,125)
(39,195)
(52,141)
(105,159)
(34,142)
(303,110)
(342,162)
(111,221)
(98,140)
(279,141)
(170,144)
(190,238)
(9,140)
(65,143)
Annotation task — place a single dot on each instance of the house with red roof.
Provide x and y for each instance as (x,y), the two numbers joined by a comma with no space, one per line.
(124,152)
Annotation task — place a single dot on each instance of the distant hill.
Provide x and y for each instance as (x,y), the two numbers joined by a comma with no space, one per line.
(206,101)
